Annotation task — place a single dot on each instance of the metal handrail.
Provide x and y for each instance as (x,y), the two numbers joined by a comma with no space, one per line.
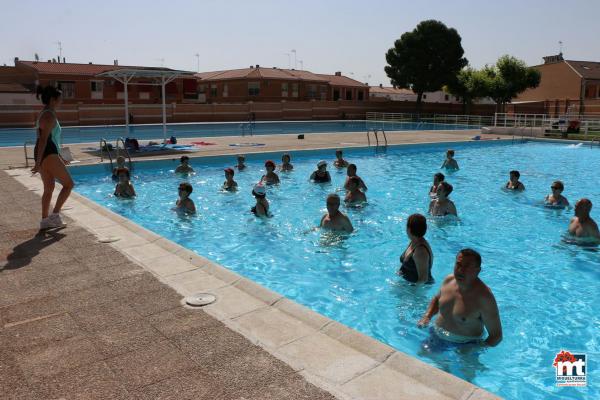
(375,130)
(125,149)
(27,158)
(374,118)
(592,142)
(103,149)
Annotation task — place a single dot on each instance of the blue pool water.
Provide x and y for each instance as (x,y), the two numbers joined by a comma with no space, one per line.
(547,290)
(16,137)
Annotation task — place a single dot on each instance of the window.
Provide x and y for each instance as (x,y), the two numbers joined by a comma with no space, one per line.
(213,90)
(424,96)
(323,92)
(348,94)
(336,94)
(446,97)
(312,91)
(284,89)
(361,95)
(201,88)
(68,89)
(457,98)
(294,90)
(253,88)
(225,90)
(97,89)
(144,95)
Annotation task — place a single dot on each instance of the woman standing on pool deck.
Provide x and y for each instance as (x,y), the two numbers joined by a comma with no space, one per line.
(48,161)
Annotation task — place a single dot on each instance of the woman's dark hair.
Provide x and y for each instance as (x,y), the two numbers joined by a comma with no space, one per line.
(47,93)
(184,158)
(447,187)
(186,187)
(515,173)
(440,177)
(417,225)
(269,163)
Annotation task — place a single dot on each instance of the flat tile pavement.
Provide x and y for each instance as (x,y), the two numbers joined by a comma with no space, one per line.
(14,157)
(78,320)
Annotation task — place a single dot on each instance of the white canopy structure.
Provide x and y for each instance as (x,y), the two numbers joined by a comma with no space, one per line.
(161,77)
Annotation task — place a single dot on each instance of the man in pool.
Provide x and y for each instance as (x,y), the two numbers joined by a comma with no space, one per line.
(351,172)
(441,205)
(582,225)
(339,160)
(450,163)
(556,199)
(124,187)
(184,167)
(465,305)
(514,183)
(321,175)
(335,220)
(184,203)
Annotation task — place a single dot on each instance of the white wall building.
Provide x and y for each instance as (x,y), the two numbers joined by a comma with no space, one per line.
(396,94)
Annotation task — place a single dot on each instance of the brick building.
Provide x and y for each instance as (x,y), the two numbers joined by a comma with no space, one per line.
(565,80)
(258,83)
(80,84)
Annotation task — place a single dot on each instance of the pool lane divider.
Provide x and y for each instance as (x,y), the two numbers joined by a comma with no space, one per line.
(334,357)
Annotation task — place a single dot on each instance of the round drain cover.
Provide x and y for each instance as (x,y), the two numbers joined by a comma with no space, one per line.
(108,239)
(200,299)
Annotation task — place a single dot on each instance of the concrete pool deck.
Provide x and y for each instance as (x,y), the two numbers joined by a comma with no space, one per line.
(13,157)
(103,310)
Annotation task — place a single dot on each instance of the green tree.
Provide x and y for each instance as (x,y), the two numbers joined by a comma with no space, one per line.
(425,59)
(469,84)
(509,77)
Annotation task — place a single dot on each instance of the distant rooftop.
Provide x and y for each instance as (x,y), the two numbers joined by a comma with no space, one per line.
(75,68)
(586,69)
(258,72)
(389,90)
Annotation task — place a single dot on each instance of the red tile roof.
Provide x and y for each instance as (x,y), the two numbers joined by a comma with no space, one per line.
(277,73)
(74,69)
(340,80)
(587,69)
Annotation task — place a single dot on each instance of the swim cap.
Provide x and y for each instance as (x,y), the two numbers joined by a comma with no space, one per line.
(321,163)
(259,190)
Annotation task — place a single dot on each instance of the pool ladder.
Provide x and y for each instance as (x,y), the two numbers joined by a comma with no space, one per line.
(375,131)
(594,140)
(104,148)
(27,158)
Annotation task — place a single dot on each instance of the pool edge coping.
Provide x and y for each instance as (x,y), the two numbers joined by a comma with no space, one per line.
(382,355)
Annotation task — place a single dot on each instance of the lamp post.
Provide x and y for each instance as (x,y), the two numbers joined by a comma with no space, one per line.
(198,58)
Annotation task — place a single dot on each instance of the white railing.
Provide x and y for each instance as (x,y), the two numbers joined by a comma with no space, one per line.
(519,120)
(373,118)
(587,122)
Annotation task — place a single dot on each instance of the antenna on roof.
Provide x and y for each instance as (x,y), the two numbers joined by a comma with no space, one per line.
(36,57)
(289,60)
(198,57)
(301,65)
(560,47)
(59,43)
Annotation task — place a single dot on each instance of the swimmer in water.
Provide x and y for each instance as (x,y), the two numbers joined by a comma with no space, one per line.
(582,225)
(350,172)
(334,219)
(270,178)
(286,165)
(321,175)
(261,209)
(339,161)
(184,166)
(230,185)
(437,179)
(184,203)
(556,199)
(442,205)
(124,187)
(514,183)
(450,163)
(241,159)
(417,259)
(465,305)
(354,195)
(120,165)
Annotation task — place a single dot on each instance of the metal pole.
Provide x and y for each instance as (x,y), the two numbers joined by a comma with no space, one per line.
(126,107)
(164,110)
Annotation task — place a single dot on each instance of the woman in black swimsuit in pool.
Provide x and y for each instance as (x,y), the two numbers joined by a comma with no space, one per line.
(417,259)
(442,205)
(261,209)
(321,175)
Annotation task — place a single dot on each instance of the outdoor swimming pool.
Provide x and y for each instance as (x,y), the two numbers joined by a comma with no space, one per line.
(547,291)
(76,134)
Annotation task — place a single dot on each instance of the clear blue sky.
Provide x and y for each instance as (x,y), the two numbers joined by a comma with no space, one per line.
(329,36)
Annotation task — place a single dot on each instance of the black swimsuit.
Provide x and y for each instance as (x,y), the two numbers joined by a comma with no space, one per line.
(322,179)
(408,269)
(50,145)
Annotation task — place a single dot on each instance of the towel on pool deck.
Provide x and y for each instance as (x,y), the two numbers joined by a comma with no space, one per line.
(203,143)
